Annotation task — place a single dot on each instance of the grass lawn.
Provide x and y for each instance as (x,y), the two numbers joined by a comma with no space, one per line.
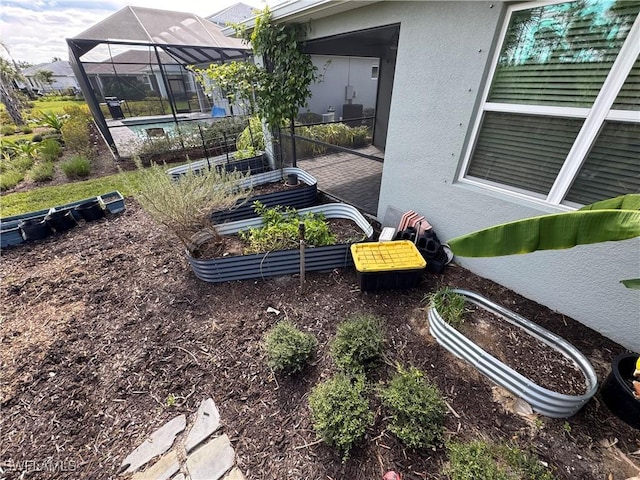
(46,197)
(54,106)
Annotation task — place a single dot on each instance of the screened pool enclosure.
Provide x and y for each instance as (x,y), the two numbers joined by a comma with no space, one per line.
(132,69)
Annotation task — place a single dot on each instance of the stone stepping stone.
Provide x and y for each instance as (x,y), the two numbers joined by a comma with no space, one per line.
(159,442)
(163,469)
(207,421)
(212,460)
(235,474)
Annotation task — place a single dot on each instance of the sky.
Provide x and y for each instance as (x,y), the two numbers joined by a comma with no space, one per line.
(35,30)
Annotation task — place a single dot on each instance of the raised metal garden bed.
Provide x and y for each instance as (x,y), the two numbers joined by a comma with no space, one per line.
(282,262)
(295,197)
(257,164)
(11,232)
(542,400)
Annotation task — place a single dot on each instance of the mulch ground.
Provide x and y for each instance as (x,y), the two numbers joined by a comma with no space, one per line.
(101,324)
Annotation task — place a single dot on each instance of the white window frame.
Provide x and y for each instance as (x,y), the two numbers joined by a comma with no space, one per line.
(594,117)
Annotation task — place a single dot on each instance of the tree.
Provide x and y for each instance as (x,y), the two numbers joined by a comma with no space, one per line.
(281,86)
(8,91)
(44,77)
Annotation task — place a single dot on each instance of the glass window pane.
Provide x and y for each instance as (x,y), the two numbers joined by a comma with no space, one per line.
(522,151)
(612,167)
(561,54)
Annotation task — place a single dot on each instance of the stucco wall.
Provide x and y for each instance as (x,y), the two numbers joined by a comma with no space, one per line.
(443,54)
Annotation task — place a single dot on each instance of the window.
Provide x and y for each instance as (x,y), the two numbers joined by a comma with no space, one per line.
(560,119)
(374,72)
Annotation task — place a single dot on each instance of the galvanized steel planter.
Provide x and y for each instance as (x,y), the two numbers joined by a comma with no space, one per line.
(295,197)
(11,233)
(257,164)
(542,400)
(282,262)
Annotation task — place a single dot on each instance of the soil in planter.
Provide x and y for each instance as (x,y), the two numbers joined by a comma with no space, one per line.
(274,187)
(522,352)
(344,230)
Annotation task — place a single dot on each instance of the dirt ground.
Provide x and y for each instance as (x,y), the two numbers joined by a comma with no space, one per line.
(101,324)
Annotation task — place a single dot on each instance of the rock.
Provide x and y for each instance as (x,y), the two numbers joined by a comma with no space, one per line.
(163,469)
(212,460)
(235,474)
(159,442)
(207,421)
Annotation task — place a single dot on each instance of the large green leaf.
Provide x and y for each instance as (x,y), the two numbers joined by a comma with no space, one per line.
(550,232)
(633,283)
(630,201)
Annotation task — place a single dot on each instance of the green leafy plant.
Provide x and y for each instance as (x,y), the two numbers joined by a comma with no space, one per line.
(42,171)
(50,149)
(10,179)
(481,460)
(75,133)
(77,167)
(340,411)
(450,305)
(251,140)
(53,120)
(417,408)
(358,343)
(288,348)
(184,206)
(8,129)
(280,230)
(609,220)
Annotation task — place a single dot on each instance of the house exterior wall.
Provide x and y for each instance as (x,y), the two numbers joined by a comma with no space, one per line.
(337,72)
(443,56)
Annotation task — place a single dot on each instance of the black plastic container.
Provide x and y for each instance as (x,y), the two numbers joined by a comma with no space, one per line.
(90,211)
(34,229)
(61,220)
(617,393)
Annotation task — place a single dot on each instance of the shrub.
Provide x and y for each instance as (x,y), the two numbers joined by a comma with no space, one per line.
(53,120)
(21,162)
(279,230)
(252,137)
(358,343)
(340,411)
(26,130)
(450,306)
(75,133)
(37,138)
(42,171)
(50,149)
(77,167)
(479,459)
(184,206)
(288,348)
(417,408)
(7,129)
(10,178)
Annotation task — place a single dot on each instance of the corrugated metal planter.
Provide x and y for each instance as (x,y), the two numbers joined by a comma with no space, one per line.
(542,400)
(11,233)
(296,197)
(257,164)
(282,262)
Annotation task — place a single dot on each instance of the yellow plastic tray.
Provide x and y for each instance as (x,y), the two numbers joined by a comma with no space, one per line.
(386,256)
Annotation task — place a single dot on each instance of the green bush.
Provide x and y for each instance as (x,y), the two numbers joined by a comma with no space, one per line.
(7,129)
(288,348)
(340,411)
(450,306)
(50,149)
(416,407)
(22,163)
(279,230)
(75,133)
(10,178)
(26,130)
(252,137)
(37,138)
(358,344)
(41,172)
(77,167)
(481,460)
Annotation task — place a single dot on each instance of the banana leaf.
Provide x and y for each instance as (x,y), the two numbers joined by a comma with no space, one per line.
(602,222)
(633,283)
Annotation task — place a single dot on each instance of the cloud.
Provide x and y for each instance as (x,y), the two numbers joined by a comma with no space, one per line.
(35,30)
